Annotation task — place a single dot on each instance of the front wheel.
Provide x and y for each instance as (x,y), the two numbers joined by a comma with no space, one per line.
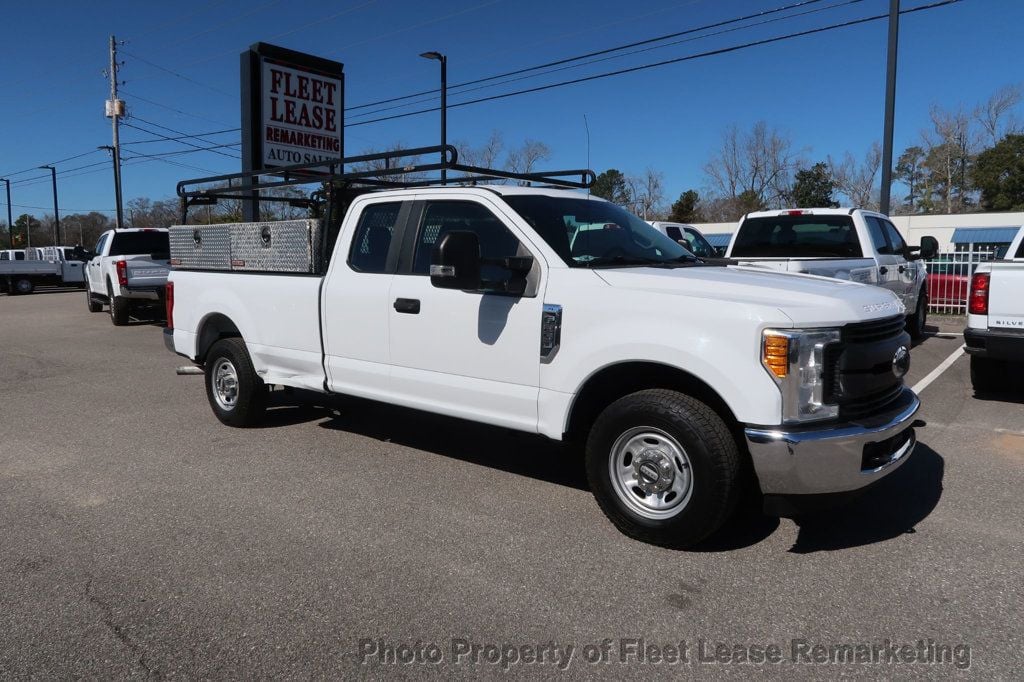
(94,305)
(916,322)
(236,393)
(663,467)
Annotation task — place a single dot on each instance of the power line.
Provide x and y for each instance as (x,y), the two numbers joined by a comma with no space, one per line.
(170,108)
(608,57)
(178,75)
(179,141)
(566,60)
(184,137)
(643,67)
(51,163)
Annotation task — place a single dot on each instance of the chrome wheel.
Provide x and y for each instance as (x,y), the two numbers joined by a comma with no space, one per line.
(225,384)
(650,472)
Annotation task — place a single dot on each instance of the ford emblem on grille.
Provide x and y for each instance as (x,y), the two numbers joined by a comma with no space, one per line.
(901,362)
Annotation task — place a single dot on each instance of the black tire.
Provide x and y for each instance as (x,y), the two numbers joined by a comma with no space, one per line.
(713,463)
(118,308)
(250,393)
(94,305)
(22,286)
(987,375)
(916,322)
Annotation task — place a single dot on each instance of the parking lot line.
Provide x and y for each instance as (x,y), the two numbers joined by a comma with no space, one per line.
(935,373)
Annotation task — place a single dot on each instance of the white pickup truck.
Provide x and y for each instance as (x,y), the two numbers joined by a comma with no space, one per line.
(689,236)
(129,266)
(844,243)
(994,336)
(22,270)
(502,305)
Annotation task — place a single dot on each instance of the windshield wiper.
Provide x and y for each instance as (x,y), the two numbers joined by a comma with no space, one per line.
(626,261)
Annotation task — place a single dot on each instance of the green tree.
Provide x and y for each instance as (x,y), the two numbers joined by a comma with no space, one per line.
(23,227)
(999,174)
(684,209)
(813,187)
(613,186)
(749,201)
(911,172)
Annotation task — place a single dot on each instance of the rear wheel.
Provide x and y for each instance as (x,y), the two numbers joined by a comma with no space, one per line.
(987,375)
(23,286)
(916,322)
(663,467)
(236,393)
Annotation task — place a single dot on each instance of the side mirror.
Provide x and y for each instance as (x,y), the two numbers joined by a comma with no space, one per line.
(929,247)
(455,263)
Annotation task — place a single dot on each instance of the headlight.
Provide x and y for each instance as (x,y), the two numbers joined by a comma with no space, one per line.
(795,358)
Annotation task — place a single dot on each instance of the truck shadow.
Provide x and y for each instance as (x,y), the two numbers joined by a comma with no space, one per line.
(502,449)
(891,508)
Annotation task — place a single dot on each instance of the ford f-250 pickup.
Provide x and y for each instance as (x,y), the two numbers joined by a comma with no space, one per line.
(844,243)
(505,305)
(129,266)
(994,336)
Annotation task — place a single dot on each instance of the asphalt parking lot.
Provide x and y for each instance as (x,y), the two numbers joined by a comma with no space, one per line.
(140,537)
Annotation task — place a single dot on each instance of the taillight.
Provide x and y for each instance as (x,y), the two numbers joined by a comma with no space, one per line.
(169,302)
(978,304)
(122,273)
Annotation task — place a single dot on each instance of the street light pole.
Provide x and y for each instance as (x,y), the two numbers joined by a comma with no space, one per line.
(56,210)
(444,109)
(890,106)
(10,222)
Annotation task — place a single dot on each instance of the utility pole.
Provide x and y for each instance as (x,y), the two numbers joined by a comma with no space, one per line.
(56,209)
(890,105)
(115,110)
(10,223)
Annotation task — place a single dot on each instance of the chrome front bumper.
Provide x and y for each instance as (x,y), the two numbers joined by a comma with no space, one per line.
(835,458)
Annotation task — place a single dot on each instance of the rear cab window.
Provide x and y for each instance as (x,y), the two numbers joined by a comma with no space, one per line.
(798,236)
(139,243)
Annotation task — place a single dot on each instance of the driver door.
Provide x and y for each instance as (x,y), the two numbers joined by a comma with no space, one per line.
(472,354)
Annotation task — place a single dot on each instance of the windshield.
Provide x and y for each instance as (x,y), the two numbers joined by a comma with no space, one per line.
(592,232)
(137,243)
(803,236)
(696,243)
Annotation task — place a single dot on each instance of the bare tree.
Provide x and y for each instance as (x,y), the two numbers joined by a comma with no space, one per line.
(996,115)
(485,156)
(648,193)
(388,164)
(856,179)
(951,147)
(525,158)
(761,162)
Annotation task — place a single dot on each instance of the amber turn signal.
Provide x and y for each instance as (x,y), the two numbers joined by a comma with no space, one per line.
(776,354)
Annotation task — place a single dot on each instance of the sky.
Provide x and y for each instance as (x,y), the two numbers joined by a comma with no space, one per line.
(180,73)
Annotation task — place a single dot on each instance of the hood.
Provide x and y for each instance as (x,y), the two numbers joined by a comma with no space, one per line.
(808,300)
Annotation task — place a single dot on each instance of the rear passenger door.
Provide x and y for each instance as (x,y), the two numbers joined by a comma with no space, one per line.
(355,301)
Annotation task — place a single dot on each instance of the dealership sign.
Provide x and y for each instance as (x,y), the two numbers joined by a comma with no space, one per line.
(292,107)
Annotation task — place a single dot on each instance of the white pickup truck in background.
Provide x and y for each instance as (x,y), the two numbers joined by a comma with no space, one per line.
(506,305)
(994,336)
(129,266)
(22,270)
(843,243)
(689,236)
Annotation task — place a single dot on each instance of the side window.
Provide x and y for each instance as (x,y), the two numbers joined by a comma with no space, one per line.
(19,255)
(5,256)
(899,247)
(878,238)
(440,217)
(372,239)
(100,243)
(673,233)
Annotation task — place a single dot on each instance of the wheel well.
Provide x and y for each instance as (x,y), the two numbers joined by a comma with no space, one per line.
(215,328)
(616,381)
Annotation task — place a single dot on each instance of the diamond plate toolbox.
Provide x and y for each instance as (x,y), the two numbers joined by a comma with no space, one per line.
(281,246)
(200,247)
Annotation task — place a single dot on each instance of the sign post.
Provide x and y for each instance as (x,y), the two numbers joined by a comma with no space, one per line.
(292,110)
